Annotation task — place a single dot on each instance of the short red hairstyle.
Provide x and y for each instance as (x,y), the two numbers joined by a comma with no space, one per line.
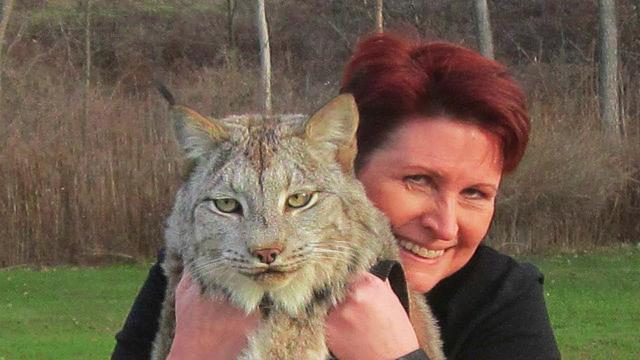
(394,79)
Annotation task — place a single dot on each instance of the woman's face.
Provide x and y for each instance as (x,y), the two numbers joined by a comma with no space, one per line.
(436,180)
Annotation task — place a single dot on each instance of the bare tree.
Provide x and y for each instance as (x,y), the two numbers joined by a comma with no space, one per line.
(379,18)
(231,13)
(608,68)
(265,55)
(6,7)
(483,28)
(87,67)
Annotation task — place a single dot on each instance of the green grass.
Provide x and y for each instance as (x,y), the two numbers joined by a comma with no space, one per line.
(594,302)
(72,313)
(64,313)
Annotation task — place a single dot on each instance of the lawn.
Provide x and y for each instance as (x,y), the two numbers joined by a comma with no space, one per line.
(64,313)
(594,302)
(73,313)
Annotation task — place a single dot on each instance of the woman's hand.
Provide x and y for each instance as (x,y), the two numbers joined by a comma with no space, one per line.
(208,328)
(370,323)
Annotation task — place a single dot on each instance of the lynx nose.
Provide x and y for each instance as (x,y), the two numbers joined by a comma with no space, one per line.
(266,256)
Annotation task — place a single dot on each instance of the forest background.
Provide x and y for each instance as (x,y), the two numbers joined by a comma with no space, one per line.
(88,170)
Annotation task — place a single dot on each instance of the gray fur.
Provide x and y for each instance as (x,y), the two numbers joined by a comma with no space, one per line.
(260,161)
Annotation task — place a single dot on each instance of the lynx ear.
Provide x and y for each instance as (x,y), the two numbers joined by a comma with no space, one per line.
(336,124)
(196,134)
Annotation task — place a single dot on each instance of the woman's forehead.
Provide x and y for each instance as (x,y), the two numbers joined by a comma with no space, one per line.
(443,145)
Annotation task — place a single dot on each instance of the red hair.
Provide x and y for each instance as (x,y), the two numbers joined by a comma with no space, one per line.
(393,79)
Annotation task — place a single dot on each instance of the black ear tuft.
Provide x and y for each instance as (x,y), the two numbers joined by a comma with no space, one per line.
(165,92)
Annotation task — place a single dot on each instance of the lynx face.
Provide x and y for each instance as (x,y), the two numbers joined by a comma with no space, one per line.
(263,213)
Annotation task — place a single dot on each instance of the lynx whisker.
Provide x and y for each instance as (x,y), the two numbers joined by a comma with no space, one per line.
(330,244)
(337,244)
(334,255)
(212,264)
(243,266)
(331,255)
(292,265)
(332,259)
(332,251)
(206,262)
(237,260)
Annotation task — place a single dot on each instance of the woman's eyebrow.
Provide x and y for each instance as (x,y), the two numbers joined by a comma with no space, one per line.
(486,185)
(436,174)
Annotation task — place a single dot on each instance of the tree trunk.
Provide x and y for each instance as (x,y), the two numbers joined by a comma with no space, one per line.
(265,55)
(231,13)
(87,68)
(483,28)
(379,18)
(6,7)
(608,69)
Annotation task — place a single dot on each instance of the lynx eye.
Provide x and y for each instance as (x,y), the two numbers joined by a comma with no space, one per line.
(227,205)
(300,200)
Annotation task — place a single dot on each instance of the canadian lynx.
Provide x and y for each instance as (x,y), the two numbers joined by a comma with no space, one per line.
(272,217)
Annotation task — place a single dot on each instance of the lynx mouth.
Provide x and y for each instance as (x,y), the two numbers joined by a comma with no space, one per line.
(270,278)
(269,274)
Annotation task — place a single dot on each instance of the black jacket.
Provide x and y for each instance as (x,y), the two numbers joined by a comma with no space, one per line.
(492,308)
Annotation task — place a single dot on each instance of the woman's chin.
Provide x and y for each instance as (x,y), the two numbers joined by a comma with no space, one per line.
(421,283)
(422,274)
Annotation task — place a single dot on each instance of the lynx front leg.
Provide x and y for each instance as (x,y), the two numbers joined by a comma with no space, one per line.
(282,337)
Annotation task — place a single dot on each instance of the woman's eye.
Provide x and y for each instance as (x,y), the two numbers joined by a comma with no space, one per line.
(475,193)
(227,205)
(421,180)
(299,200)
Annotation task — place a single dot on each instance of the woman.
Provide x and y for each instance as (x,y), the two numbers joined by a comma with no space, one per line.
(440,125)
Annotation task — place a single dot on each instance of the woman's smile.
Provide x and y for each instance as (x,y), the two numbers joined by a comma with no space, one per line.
(420,251)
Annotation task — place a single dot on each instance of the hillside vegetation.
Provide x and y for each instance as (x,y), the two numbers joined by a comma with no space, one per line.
(90,172)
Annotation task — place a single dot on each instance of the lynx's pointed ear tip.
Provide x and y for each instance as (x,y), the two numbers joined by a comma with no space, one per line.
(348,104)
(184,116)
(164,91)
(347,99)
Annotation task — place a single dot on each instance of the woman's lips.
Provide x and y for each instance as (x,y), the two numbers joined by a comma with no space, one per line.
(419,250)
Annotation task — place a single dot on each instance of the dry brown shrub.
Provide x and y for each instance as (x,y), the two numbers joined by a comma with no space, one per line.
(65,195)
(563,193)
(74,188)
(574,188)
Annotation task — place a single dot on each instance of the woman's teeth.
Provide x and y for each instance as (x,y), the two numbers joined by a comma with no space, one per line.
(420,251)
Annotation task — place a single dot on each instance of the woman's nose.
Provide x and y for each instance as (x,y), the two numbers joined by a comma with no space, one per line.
(441,220)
